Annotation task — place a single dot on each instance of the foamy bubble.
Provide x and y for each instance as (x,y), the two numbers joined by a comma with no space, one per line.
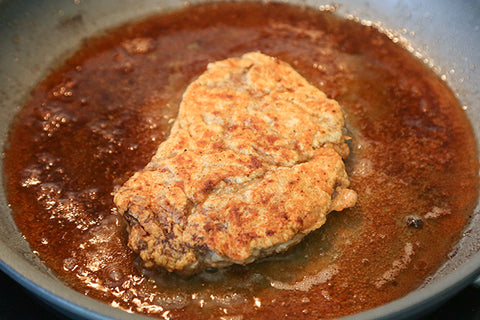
(308,281)
(397,266)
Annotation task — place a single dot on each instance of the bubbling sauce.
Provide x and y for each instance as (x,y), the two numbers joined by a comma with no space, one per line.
(100,116)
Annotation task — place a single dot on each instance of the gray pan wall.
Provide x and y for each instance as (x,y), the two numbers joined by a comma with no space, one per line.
(37,35)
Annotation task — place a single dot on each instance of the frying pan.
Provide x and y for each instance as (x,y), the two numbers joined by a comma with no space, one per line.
(36,35)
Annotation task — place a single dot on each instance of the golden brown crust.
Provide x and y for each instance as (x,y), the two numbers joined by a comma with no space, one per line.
(253,163)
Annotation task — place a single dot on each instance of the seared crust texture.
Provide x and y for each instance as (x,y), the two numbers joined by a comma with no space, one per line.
(252,165)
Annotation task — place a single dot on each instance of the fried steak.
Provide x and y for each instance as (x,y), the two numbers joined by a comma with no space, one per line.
(253,163)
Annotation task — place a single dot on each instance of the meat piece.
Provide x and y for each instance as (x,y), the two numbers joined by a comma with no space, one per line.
(252,165)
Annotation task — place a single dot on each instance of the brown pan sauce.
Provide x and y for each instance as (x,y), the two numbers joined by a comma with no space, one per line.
(100,116)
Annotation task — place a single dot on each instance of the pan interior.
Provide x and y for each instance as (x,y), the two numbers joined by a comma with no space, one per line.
(21,72)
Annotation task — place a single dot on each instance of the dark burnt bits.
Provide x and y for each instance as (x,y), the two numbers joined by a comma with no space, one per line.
(414,221)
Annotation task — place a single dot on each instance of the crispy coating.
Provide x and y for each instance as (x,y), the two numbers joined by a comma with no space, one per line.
(252,165)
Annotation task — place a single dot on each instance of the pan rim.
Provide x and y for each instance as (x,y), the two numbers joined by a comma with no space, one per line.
(72,303)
